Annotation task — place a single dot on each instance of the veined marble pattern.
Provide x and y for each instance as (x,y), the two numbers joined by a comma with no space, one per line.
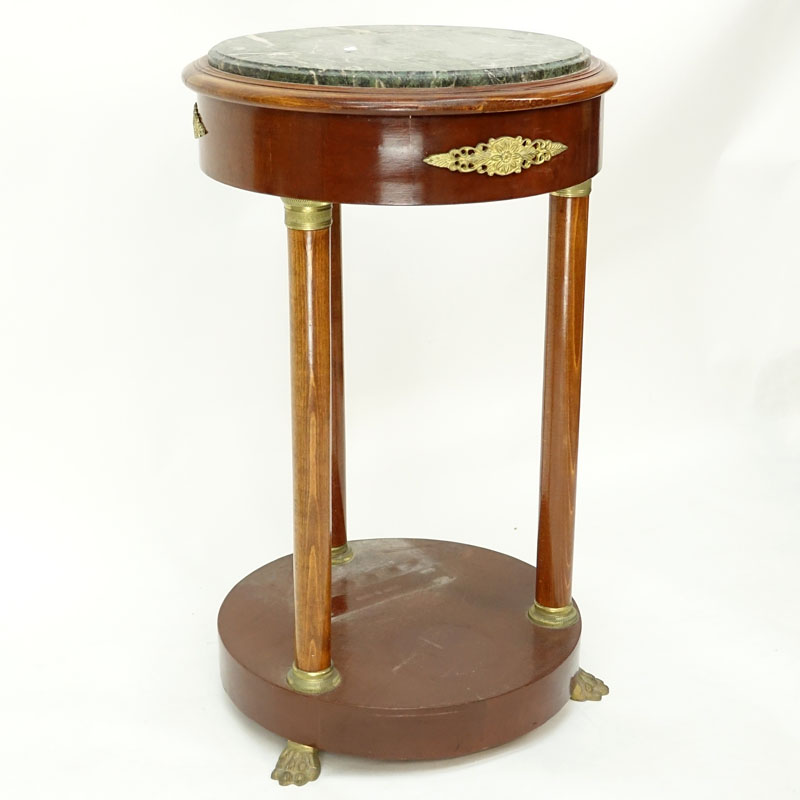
(400,56)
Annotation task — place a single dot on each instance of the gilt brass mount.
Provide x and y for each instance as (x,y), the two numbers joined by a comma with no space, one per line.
(307,215)
(505,155)
(197,123)
(313,682)
(561,617)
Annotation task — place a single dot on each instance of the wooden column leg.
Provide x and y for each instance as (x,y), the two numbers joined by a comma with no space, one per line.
(341,552)
(310,313)
(566,271)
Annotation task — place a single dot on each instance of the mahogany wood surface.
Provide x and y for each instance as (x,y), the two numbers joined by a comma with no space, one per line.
(310,315)
(338,481)
(496,98)
(436,653)
(351,158)
(566,274)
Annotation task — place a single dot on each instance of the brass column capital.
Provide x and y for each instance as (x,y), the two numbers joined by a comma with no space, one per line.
(307,215)
(579,190)
(562,617)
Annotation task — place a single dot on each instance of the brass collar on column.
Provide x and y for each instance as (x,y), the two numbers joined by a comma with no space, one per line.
(579,190)
(313,682)
(307,215)
(553,617)
(342,554)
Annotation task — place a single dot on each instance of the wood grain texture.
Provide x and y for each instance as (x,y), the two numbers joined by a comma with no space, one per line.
(338,475)
(497,98)
(310,314)
(437,655)
(350,158)
(566,273)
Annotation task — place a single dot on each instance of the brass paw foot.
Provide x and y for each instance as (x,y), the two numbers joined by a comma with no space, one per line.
(586,687)
(298,764)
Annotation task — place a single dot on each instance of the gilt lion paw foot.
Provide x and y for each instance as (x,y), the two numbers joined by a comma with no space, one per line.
(586,687)
(298,764)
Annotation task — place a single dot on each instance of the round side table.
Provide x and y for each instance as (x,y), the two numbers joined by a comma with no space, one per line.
(404,648)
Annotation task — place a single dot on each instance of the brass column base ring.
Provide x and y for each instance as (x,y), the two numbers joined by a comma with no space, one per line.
(563,617)
(313,682)
(341,554)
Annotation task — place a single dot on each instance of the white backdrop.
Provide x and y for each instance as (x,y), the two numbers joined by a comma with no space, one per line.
(144,405)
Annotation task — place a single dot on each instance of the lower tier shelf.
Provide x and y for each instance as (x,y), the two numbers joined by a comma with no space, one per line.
(432,640)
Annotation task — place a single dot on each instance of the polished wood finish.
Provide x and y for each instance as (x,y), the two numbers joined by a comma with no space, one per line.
(310,315)
(351,158)
(338,481)
(437,656)
(496,98)
(566,273)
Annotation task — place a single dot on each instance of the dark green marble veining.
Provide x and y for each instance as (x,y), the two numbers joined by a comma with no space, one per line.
(400,56)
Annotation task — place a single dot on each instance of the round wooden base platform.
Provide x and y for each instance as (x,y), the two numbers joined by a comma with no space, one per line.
(436,653)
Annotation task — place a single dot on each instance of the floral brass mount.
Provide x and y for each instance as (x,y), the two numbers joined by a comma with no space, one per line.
(503,156)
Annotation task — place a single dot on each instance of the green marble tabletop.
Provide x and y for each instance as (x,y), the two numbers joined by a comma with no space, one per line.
(400,56)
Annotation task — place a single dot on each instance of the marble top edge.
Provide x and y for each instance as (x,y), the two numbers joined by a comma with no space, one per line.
(400,56)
